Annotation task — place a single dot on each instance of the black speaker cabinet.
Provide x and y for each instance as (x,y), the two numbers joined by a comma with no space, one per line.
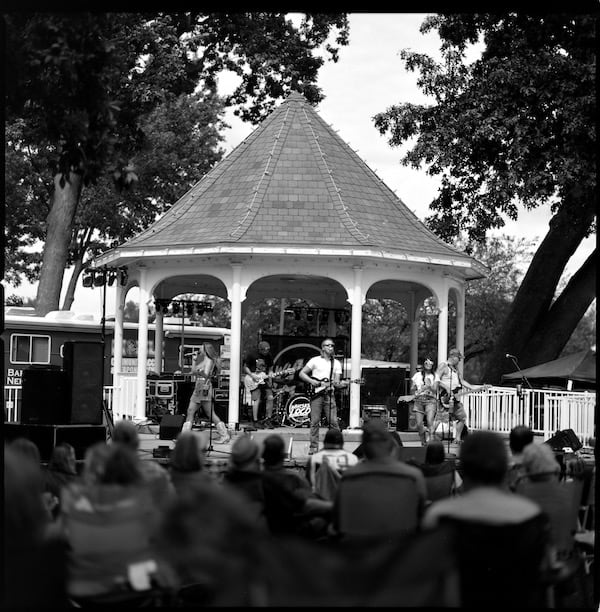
(381,383)
(46,437)
(565,438)
(170,426)
(83,363)
(45,398)
(405,417)
(183,392)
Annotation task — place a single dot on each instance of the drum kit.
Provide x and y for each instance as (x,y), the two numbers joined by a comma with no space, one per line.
(291,409)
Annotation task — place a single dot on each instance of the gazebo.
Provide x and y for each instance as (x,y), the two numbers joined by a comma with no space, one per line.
(291,212)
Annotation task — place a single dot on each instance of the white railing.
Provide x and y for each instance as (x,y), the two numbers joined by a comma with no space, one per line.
(498,409)
(545,411)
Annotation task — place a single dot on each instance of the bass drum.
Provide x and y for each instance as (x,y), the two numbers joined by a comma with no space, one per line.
(297,411)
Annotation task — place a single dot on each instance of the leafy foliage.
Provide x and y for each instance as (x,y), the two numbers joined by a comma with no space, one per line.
(515,126)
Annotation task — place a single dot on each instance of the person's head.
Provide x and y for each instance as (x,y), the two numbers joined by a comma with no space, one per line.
(483,459)
(435,453)
(540,462)
(264,347)
(273,452)
(188,453)
(94,462)
(26,448)
(121,466)
(428,364)
(245,454)
(333,439)
(126,433)
(519,437)
(377,441)
(454,356)
(63,459)
(328,347)
(210,350)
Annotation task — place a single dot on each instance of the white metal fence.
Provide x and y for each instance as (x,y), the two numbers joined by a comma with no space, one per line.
(498,409)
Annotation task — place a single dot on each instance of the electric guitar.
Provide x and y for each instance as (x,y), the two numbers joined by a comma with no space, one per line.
(252,384)
(447,400)
(324,387)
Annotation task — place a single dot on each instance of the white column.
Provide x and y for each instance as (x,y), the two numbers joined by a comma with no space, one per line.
(140,407)
(460,325)
(414,333)
(355,347)
(442,324)
(236,344)
(117,352)
(158,340)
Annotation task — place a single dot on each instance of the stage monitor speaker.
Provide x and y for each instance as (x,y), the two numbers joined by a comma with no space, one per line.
(221,409)
(45,398)
(381,383)
(413,454)
(565,438)
(46,437)
(170,426)
(83,363)
(405,416)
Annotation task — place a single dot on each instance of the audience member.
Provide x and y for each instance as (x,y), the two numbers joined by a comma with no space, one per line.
(60,472)
(519,437)
(333,452)
(188,467)
(109,523)
(441,477)
(380,494)
(155,475)
(290,506)
(502,537)
(244,475)
(34,564)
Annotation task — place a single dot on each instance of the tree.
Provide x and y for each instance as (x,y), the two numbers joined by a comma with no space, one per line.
(80,83)
(514,126)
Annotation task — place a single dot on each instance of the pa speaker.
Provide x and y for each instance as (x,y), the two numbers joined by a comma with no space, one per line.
(45,398)
(381,383)
(83,363)
(565,438)
(170,426)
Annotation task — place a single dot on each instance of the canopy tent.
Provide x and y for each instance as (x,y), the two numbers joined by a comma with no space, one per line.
(579,367)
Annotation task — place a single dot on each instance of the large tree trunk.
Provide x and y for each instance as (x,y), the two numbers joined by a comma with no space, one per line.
(70,294)
(58,238)
(555,329)
(534,297)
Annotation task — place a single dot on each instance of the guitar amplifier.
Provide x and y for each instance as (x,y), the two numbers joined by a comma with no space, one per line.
(375,411)
(164,389)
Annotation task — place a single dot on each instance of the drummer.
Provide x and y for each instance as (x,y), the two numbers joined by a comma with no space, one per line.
(291,384)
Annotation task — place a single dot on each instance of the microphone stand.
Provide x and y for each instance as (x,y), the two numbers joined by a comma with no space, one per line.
(330,394)
(520,386)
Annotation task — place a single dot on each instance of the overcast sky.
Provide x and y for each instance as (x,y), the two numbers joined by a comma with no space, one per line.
(368,78)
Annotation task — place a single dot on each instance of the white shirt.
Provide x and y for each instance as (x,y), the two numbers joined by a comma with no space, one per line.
(419,380)
(339,459)
(320,368)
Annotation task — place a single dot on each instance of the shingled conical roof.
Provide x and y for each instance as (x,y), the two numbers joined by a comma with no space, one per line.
(293,181)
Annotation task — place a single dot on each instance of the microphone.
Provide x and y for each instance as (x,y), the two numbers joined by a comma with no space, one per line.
(509,356)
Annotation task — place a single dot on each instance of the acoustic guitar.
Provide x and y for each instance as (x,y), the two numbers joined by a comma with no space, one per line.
(324,387)
(252,384)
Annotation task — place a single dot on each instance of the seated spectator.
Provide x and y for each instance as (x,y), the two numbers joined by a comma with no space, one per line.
(336,457)
(244,475)
(34,564)
(188,467)
(381,495)
(60,472)
(502,537)
(441,477)
(396,448)
(155,475)
(109,522)
(519,437)
(290,505)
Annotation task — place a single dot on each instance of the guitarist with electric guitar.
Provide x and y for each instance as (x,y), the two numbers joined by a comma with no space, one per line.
(258,368)
(323,367)
(451,387)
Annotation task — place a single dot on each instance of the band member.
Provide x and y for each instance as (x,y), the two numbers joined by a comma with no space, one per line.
(322,374)
(258,367)
(205,364)
(449,383)
(423,386)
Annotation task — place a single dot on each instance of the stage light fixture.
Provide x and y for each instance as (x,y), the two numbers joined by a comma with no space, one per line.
(87,280)
(175,307)
(123,276)
(297,314)
(112,277)
(99,278)
(310,314)
(189,309)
